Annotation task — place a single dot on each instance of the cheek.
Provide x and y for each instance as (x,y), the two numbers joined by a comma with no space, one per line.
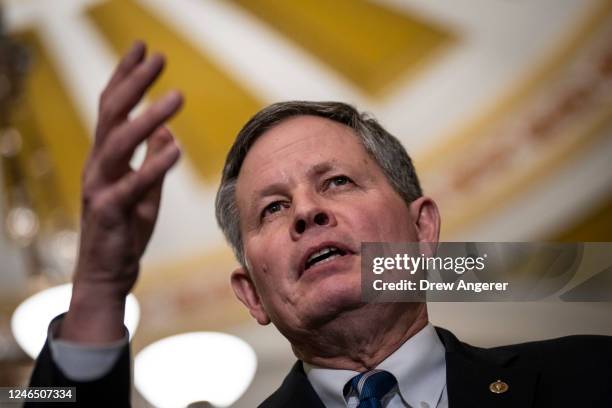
(385,220)
(263,255)
(258,248)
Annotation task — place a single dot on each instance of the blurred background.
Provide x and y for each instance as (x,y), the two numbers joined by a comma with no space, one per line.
(505,106)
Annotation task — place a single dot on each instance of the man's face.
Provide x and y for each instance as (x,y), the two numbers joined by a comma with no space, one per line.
(308,195)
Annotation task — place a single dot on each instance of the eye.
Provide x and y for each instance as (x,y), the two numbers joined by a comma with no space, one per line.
(338,181)
(272,208)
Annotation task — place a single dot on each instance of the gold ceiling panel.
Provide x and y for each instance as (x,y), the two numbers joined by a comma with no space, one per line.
(54,140)
(595,225)
(216,106)
(370,45)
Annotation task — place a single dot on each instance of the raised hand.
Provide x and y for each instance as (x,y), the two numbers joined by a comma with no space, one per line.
(119,204)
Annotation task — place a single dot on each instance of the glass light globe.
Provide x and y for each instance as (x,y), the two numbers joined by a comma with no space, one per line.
(191,367)
(31,318)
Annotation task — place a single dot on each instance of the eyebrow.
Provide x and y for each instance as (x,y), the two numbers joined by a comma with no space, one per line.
(321,168)
(267,190)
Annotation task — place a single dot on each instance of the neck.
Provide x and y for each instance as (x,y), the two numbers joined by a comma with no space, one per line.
(361,339)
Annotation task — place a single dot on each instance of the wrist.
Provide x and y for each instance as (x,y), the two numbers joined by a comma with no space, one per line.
(95,315)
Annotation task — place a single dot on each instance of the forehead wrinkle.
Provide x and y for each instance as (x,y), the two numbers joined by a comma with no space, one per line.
(280,151)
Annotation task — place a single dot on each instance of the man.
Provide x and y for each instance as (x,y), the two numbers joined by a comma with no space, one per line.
(304,184)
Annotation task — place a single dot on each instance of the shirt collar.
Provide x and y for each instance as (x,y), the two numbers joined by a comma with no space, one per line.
(419,366)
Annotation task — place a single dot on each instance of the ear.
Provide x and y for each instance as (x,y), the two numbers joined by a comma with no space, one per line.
(245,291)
(426,217)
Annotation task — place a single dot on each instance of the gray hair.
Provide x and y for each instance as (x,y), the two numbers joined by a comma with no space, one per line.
(383,147)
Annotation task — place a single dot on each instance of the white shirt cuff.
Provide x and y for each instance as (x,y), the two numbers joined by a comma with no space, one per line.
(81,362)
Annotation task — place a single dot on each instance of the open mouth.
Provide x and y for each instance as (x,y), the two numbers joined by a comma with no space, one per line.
(324,255)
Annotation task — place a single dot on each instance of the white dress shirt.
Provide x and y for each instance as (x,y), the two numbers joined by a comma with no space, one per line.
(83,363)
(419,366)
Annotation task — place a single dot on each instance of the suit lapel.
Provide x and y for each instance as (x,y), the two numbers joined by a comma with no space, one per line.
(295,391)
(470,371)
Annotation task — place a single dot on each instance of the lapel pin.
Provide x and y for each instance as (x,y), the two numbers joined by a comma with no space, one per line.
(498,387)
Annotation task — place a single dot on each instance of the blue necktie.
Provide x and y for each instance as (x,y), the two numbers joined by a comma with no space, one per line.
(371,387)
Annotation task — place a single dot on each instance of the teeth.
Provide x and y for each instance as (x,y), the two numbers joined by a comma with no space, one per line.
(321,252)
(328,259)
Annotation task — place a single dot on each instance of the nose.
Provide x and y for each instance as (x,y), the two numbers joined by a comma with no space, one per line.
(310,213)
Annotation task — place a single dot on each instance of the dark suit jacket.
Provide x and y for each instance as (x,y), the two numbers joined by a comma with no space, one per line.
(574,371)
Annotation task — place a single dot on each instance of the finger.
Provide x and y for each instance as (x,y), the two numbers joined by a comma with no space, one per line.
(148,207)
(131,188)
(124,140)
(132,58)
(157,141)
(120,100)
(131,89)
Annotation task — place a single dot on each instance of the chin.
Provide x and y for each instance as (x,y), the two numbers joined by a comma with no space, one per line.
(332,298)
